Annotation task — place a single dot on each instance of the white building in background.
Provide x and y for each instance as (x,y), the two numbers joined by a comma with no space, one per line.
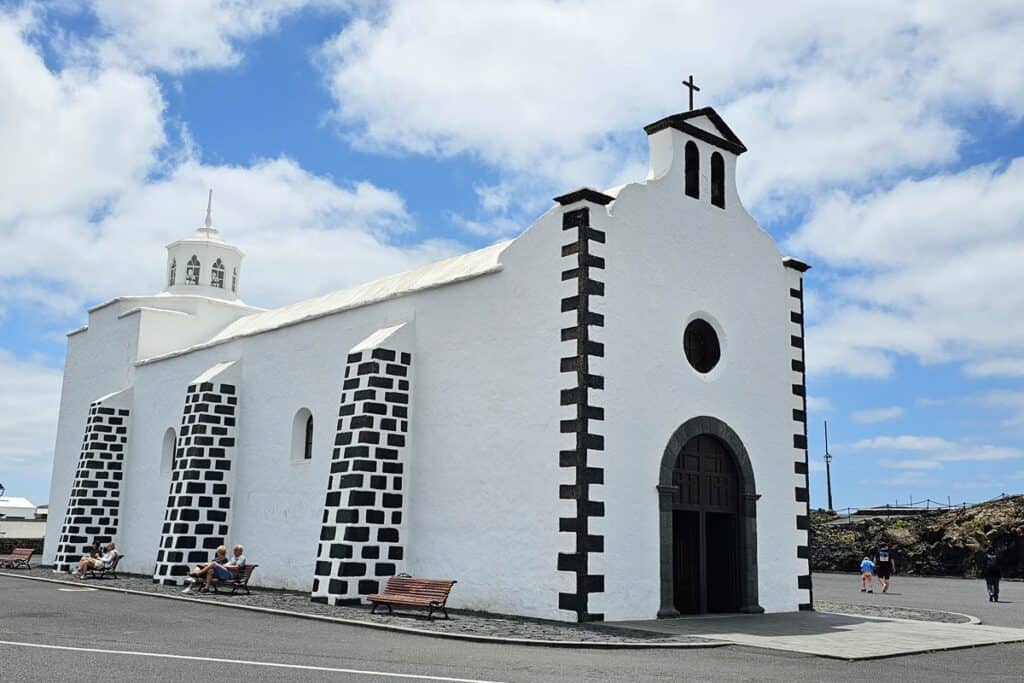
(21,520)
(602,418)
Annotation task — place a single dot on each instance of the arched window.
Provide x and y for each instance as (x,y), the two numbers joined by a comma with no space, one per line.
(234,279)
(302,436)
(192,271)
(692,170)
(217,274)
(718,180)
(171,272)
(307,453)
(167,452)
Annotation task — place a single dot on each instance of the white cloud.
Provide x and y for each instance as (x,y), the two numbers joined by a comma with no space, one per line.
(29,400)
(71,138)
(818,404)
(93,203)
(1013,401)
(912,464)
(873,415)
(996,367)
(830,93)
(933,272)
(187,34)
(903,443)
(939,451)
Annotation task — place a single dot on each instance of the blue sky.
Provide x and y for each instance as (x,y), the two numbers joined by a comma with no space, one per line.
(348,140)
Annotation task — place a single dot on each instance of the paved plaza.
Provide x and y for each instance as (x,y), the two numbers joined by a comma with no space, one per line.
(50,630)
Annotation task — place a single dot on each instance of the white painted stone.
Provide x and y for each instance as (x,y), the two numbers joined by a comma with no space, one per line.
(482,490)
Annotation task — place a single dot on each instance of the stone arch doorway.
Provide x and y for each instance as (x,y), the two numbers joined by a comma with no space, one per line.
(707,508)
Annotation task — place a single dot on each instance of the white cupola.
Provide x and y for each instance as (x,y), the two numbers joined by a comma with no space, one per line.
(203,264)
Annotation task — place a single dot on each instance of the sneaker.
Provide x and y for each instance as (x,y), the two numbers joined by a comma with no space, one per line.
(885,589)
(862,590)
(188,589)
(871,590)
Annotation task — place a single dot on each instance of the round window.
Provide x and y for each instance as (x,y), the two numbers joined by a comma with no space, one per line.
(700,343)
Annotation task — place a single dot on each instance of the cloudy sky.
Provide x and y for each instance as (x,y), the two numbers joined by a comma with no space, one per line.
(347,140)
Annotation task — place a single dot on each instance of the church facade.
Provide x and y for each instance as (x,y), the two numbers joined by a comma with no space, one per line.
(603,418)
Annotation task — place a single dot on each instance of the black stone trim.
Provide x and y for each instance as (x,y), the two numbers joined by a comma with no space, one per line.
(806,606)
(803,582)
(728,141)
(579,396)
(748,510)
(198,521)
(584,194)
(795,264)
(94,503)
(800,440)
(364,501)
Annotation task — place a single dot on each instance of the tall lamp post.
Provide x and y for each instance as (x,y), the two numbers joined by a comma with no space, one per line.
(828,468)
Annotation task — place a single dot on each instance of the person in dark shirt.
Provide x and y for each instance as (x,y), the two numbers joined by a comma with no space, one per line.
(990,570)
(885,567)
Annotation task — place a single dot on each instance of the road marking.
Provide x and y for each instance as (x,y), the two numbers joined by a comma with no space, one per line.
(77,590)
(278,665)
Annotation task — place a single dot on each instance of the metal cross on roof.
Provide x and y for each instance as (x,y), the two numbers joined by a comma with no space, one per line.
(693,87)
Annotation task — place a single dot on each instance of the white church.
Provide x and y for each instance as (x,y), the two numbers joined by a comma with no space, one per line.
(603,418)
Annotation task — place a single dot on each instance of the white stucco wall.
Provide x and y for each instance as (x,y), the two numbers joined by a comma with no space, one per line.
(482,485)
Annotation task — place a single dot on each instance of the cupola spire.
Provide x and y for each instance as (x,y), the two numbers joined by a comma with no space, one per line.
(208,223)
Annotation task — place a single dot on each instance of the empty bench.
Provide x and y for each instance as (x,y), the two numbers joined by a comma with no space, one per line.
(18,559)
(239,580)
(405,591)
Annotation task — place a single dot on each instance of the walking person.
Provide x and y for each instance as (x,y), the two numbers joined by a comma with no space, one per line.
(867,571)
(990,570)
(885,567)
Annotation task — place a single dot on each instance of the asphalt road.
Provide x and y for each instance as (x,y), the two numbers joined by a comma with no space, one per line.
(967,596)
(50,633)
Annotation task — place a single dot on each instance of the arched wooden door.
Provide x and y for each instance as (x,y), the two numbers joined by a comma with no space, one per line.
(705,528)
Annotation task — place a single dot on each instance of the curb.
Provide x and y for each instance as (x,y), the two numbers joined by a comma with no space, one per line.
(575,644)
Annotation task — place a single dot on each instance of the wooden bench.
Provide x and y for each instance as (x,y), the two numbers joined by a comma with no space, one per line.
(18,559)
(239,580)
(406,591)
(104,572)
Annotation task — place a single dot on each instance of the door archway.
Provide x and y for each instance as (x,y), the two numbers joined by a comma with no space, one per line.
(707,504)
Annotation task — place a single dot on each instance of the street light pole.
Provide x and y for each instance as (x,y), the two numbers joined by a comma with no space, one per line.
(828,468)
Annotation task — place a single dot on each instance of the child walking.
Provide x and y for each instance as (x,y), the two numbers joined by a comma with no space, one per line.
(867,571)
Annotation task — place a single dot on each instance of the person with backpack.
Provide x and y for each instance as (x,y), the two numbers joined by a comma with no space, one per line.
(990,570)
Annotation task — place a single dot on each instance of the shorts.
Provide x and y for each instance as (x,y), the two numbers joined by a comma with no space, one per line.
(884,571)
(222,573)
(865,575)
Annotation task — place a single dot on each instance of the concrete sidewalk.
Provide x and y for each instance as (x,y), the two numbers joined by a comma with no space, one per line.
(832,635)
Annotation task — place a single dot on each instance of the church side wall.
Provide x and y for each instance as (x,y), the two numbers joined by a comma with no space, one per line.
(670,259)
(482,492)
(98,362)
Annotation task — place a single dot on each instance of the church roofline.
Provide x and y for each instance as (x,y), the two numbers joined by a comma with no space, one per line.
(432,276)
(584,194)
(729,141)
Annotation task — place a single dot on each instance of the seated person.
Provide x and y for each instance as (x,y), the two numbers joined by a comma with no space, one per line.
(93,551)
(104,561)
(222,572)
(220,556)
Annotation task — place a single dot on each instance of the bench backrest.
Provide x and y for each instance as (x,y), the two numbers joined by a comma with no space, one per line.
(22,553)
(430,589)
(247,570)
(117,558)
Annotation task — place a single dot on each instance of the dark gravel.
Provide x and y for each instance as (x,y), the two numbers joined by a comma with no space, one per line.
(461,621)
